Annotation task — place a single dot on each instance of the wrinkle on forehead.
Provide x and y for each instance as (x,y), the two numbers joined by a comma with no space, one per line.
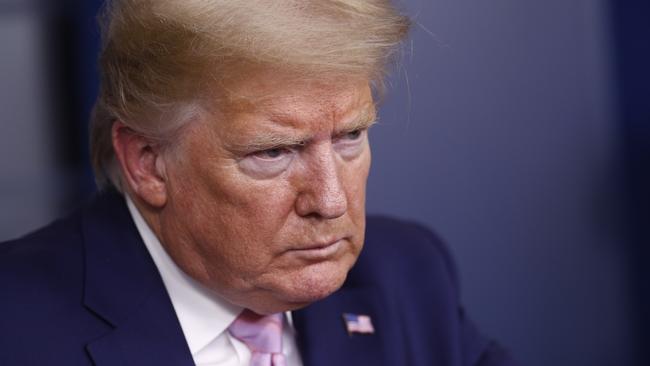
(269,89)
(269,114)
(275,134)
(351,112)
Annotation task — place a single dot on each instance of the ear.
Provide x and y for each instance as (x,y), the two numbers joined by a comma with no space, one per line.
(142,165)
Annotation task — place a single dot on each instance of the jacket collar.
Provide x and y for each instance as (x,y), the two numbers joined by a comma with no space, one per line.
(123,287)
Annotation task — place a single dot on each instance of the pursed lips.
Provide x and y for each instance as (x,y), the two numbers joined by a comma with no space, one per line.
(315,245)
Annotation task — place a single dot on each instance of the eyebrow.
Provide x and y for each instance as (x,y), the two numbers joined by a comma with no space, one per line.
(362,121)
(271,140)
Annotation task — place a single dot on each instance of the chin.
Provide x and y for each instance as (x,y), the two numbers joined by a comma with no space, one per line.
(313,283)
(295,293)
(299,288)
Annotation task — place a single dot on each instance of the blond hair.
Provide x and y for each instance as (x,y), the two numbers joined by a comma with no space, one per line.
(160,57)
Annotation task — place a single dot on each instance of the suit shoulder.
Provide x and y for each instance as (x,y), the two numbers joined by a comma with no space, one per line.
(42,281)
(379,226)
(415,270)
(406,238)
(51,238)
(404,247)
(42,261)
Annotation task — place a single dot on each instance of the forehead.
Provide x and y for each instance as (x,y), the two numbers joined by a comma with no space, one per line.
(294,101)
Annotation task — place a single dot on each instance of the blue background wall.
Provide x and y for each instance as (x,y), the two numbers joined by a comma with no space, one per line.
(518,130)
(502,134)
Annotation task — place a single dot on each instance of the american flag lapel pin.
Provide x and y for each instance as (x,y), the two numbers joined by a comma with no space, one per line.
(358,324)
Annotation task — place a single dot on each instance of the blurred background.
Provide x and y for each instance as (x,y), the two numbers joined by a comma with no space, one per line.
(518,130)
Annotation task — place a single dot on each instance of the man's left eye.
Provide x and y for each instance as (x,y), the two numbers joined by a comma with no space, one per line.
(353,135)
(272,154)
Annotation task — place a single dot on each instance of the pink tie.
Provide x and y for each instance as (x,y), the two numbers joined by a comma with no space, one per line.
(262,335)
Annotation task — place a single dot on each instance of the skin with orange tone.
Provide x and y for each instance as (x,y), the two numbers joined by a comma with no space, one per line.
(262,201)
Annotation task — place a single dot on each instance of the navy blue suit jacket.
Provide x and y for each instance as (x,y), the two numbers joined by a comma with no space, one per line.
(84,291)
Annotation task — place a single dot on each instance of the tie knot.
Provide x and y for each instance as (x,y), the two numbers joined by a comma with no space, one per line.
(262,334)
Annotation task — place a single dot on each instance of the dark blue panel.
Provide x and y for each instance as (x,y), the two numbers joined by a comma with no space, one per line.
(632,25)
(73,45)
(88,79)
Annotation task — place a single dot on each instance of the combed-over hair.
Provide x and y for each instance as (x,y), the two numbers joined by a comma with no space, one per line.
(160,57)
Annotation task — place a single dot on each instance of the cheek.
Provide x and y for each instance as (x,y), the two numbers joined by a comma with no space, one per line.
(244,211)
(221,184)
(229,221)
(262,205)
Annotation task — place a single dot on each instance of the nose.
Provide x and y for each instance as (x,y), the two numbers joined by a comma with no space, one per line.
(322,192)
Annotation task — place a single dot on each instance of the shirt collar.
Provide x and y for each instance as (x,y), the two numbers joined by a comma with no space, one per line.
(202,314)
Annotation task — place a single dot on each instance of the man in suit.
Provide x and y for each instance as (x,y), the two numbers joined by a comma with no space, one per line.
(230,142)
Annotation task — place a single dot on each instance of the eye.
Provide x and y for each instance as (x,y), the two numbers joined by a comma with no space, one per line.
(272,154)
(353,135)
(350,144)
(267,163)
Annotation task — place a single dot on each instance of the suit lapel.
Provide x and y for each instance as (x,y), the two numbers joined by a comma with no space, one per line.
(123,288)
(151,336)
(324,340)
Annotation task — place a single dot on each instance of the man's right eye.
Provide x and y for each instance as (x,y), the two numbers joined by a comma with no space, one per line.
(267,163)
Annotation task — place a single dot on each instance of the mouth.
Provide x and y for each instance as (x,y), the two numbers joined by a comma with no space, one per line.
(320,251)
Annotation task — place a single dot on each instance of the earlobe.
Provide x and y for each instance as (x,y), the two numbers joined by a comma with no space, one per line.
(141,164)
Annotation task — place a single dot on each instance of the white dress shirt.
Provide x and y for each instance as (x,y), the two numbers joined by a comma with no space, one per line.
(204,316)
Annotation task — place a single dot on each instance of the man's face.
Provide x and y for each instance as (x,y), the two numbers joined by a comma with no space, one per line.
(266,199)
